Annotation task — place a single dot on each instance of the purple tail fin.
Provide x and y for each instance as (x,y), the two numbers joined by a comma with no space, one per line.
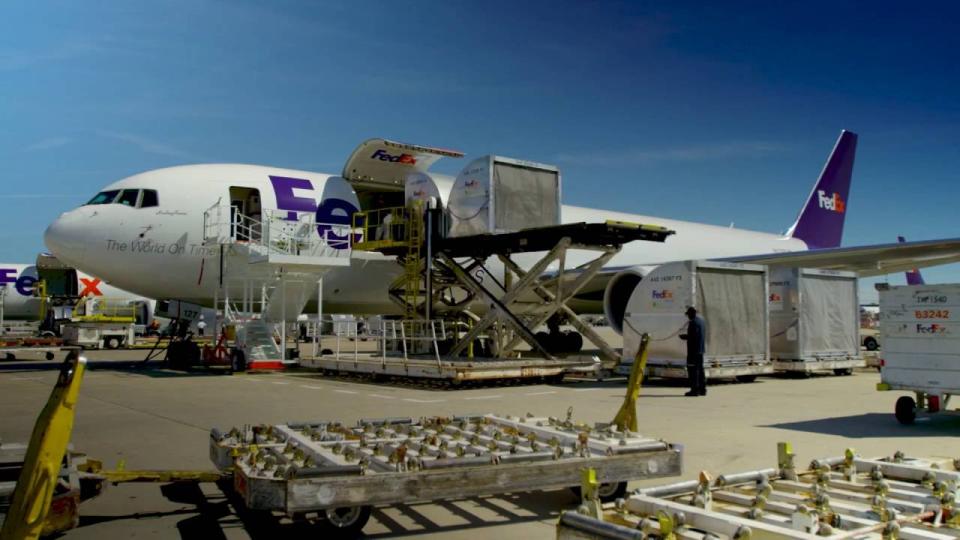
(820,223)
(913,276)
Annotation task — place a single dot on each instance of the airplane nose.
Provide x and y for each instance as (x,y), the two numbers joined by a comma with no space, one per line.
(64,239)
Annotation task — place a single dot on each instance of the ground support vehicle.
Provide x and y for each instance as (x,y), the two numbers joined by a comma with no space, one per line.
(921,347)
(97,335)
(844,497)
(340,471)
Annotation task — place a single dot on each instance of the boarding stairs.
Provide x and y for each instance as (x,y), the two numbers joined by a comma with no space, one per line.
(269,269)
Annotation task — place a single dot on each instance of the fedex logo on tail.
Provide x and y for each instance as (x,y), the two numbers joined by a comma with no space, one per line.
(665,294)
(831,202)
(406,159)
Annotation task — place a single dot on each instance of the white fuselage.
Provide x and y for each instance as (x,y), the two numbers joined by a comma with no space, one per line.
(159,251)
(19,298)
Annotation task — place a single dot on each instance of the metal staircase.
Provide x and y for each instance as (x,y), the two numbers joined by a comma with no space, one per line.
(270,268)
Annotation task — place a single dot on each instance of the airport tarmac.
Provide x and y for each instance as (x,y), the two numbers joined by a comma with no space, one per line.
(155,418)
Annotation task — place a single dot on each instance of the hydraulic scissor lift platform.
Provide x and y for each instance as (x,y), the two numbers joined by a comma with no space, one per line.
(441,278)
(338,472)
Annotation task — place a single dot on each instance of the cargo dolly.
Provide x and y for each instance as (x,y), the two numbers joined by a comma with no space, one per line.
(340,472)
(842,497)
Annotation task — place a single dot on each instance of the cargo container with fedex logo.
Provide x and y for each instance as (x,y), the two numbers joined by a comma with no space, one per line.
(814,320)
(921,349)
(731,298)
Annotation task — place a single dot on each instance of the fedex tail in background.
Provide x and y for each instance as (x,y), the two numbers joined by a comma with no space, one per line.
(913,276)
(820,223)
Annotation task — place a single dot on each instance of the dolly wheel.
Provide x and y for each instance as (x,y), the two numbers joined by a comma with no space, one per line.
(746,378)
(906,410)
(344,522)
(607,492)
(871,344)
(843,371)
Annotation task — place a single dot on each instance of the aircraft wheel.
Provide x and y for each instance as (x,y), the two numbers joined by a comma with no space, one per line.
(906,410)
(238,361)
(572,341)
(544,340)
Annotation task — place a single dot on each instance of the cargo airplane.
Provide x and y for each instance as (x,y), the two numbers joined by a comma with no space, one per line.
(18,284)
(145,233)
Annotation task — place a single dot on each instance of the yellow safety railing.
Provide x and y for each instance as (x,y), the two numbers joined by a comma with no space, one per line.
(104,310)
(382,228)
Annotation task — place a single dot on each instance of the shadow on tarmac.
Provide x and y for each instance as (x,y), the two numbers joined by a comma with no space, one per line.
(212,515)
(876,425)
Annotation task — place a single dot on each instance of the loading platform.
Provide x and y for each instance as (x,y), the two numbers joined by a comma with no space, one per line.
(446,279)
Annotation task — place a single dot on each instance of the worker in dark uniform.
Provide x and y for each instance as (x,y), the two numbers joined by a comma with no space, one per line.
(696,338)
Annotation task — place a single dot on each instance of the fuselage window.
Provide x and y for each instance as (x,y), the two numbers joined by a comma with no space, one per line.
(149,198)
(129,197)
(104,197)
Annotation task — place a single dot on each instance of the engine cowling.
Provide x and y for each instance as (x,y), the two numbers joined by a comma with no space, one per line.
(618,291)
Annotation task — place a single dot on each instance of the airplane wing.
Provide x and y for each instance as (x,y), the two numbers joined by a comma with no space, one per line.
(383,164)
(873,260)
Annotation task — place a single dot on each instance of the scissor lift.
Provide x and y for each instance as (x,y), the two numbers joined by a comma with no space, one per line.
(450,277)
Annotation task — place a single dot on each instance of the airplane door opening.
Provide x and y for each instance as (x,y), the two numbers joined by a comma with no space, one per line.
(245,213)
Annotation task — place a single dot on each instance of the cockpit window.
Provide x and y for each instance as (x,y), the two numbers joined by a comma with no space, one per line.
(128,197)
(104,197)
(149,198)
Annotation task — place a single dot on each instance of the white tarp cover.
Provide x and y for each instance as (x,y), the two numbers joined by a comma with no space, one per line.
(829,318)
(524,197)
(733,304)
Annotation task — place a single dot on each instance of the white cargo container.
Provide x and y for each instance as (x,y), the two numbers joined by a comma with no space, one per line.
(494,194)
(921,346)
(731,298)
(814,320)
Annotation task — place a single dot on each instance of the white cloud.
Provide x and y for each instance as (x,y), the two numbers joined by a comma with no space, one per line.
(48,144)
(147,145)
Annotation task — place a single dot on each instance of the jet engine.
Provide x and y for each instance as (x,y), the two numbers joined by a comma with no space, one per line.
(618,291)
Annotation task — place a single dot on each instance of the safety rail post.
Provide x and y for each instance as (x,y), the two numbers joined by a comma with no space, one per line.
(383,344)
(436,348)
(403,340)
(334,324)
(356,341)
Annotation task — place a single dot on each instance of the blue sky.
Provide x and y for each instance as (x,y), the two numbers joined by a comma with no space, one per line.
(713,112)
